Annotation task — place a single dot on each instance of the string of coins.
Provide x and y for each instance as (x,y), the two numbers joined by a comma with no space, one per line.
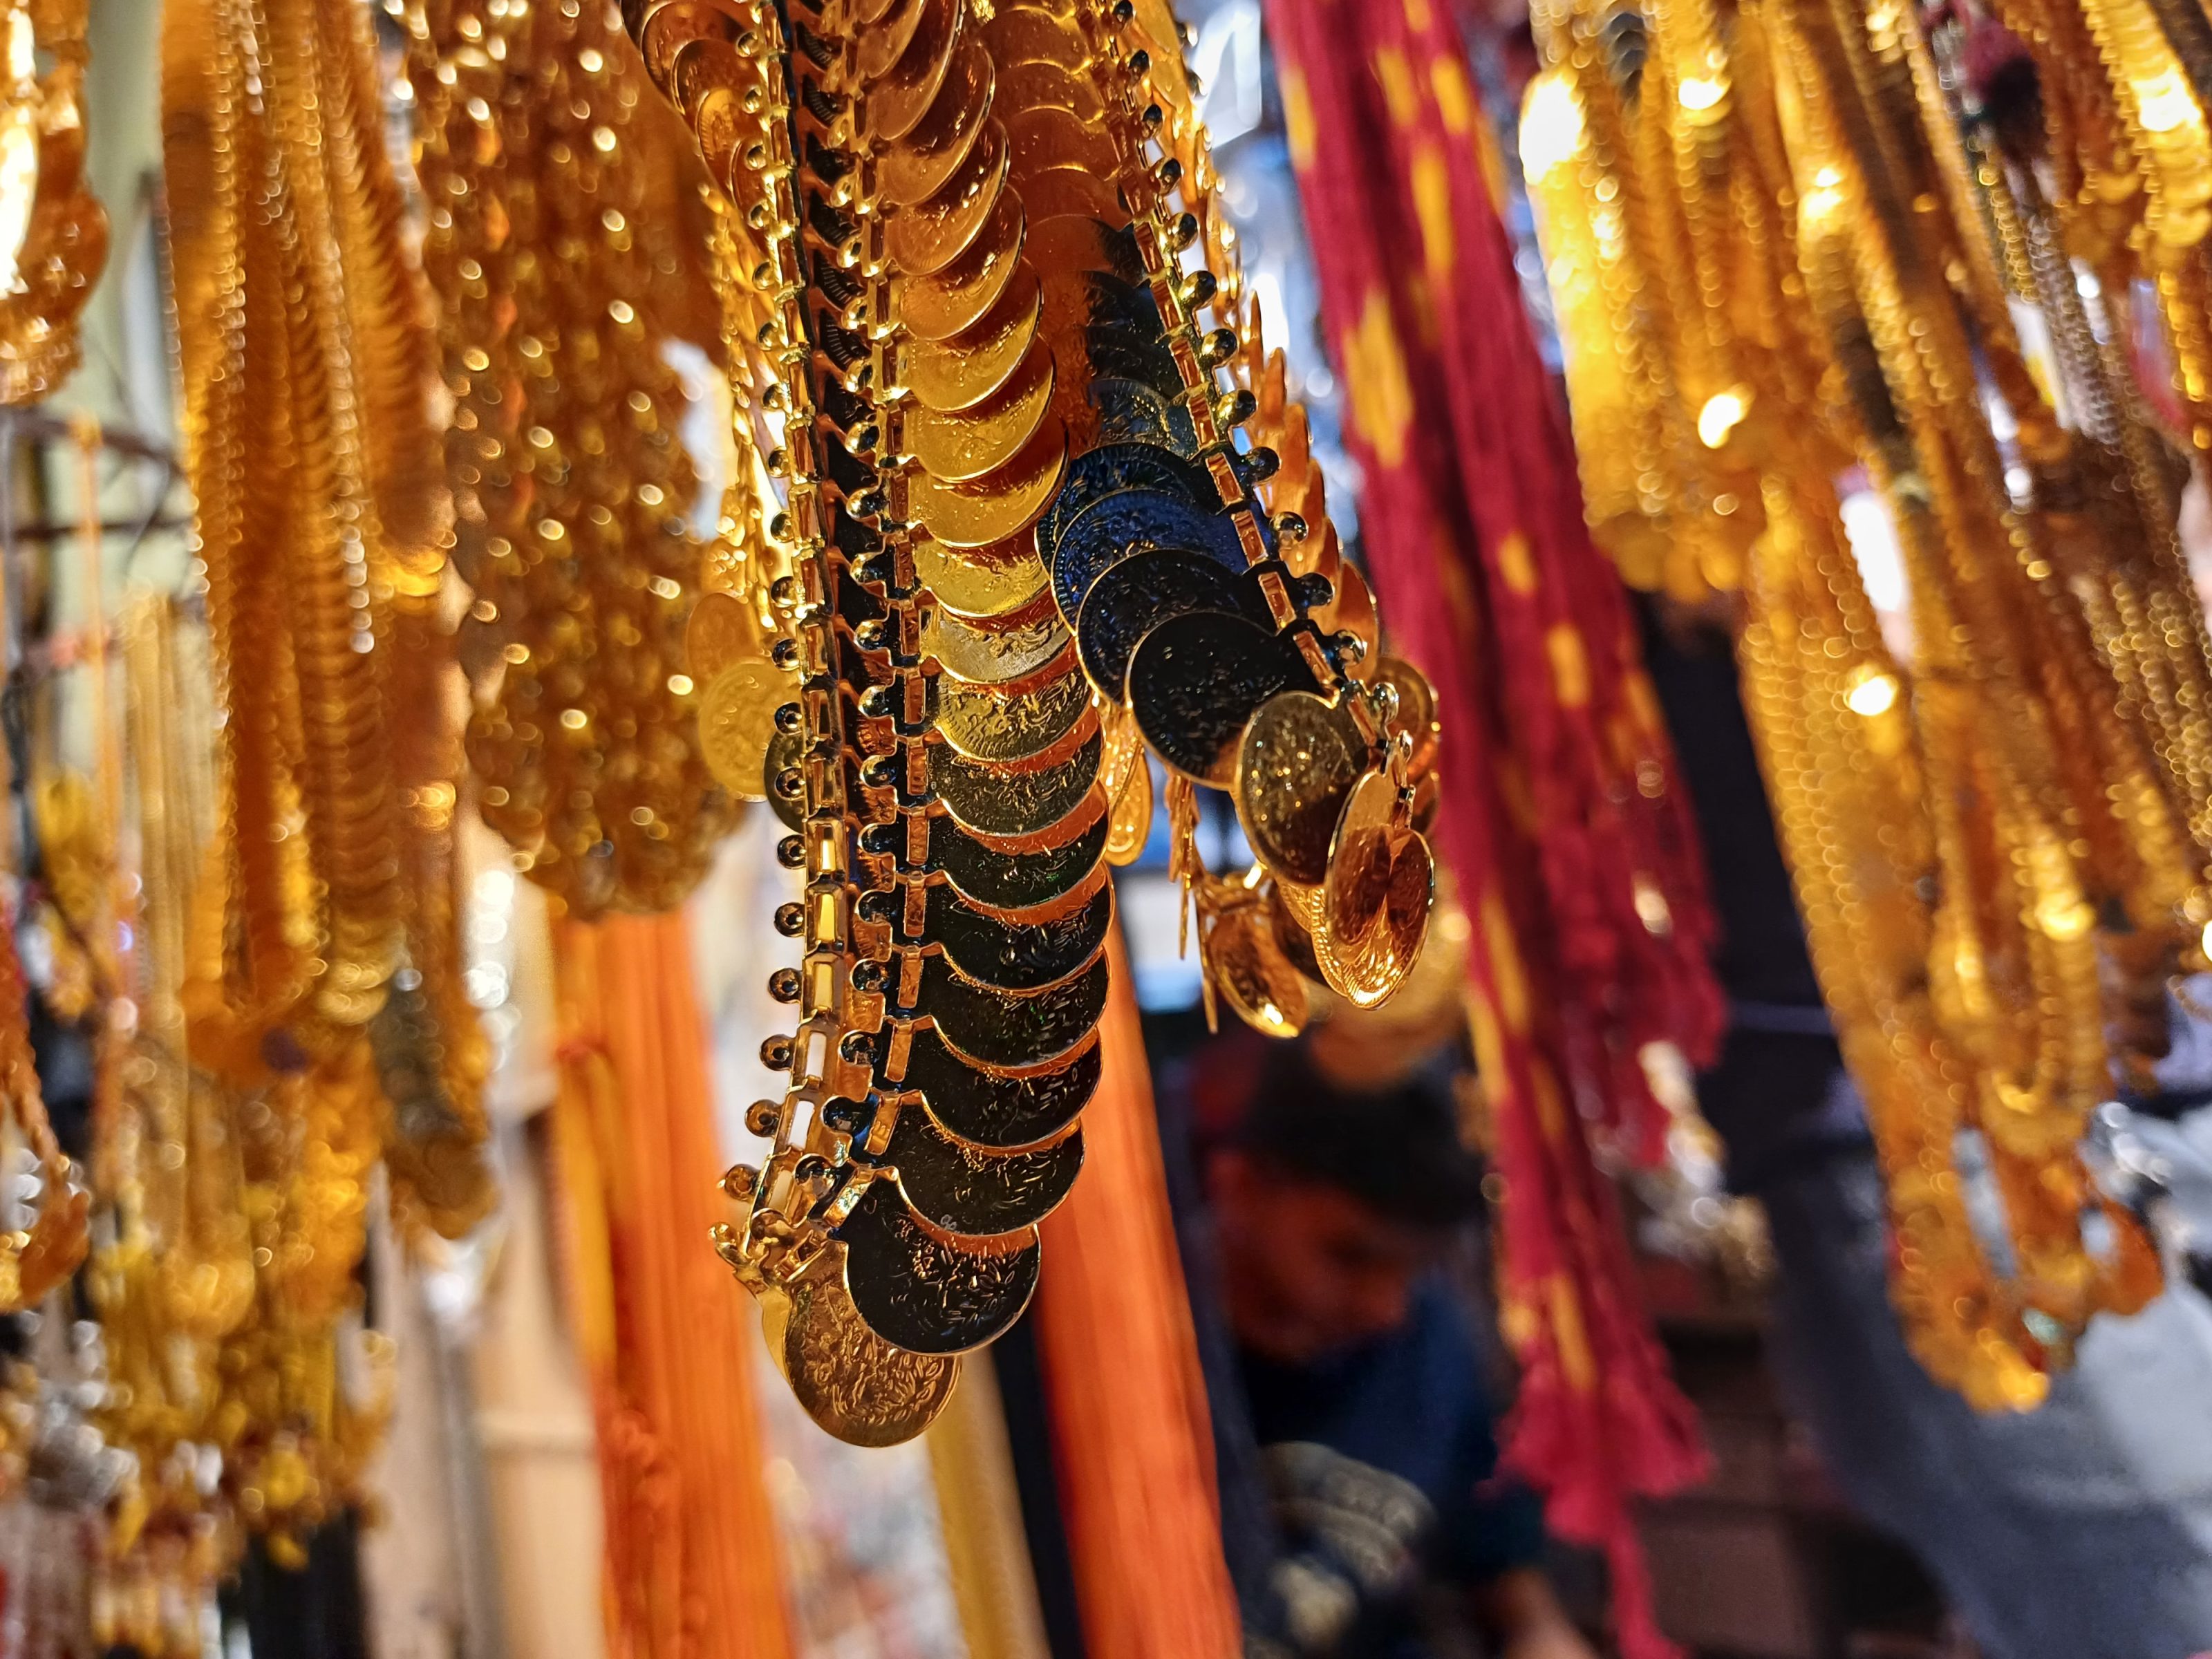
(1780,248)
(1027,549)
(570,478)
(53,233)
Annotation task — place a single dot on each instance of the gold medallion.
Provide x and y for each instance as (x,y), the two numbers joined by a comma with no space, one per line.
(737,719)
(960,448)
(1300,759)
(881,47)
(1033,83)
(1043,138)
(1070,192)
(722,628)
(1352,611)
(1006,649)
(984,582)
(997,508)
(920,165)
(850,1381)
(927,1291)
(1013,722)
(1023,34)
(1375,902)
(1417,713)
(906,95)
(959,373)
(947,303)
(930,236)
(1246,965)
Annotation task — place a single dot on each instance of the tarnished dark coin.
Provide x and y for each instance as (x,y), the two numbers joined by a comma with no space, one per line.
(878,49)
(961,447)
(1132,597)
(1130,411)
(1122,310)
(1005,1109)
(1015,722)
(962,372)
(930,235)
(850,1381)
(1001,877)
(1116,354)
(1015,803)
(926,1292)
(1300,759)
(1133,521)
(1024,956)
(1194,683)
(974,1191)
(912,91)
(1112,468)
(1012,1029)
(922,162)
(993,654)
(946,302)
(995,508)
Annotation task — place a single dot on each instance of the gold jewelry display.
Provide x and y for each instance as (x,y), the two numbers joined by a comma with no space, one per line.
(285,1008)
(1786,245)
(53,234)
(569,478)
(1025,549)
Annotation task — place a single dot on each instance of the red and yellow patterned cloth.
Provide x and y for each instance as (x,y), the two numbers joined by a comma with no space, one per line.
(1562,817)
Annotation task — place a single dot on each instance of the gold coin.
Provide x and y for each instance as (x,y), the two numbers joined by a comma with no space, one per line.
(959,373)
(1033,82)
(1007,649)
(1248,968)
(930,1291)
(737,719)
(1026,34)
(1375,903)
(1071,191)
(1352,611)
(881,46)
(906,93)
(930,236)
(852,1383)
(1417,711)
(1130,825)
(1014,722)
(997,508)
(722,628)
(922,161)
(1042,137)
(1015,802)
(960,448)
(984,582)
(1297,767)
(947,303)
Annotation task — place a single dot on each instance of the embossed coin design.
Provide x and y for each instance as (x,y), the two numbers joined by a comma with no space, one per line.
(737,719)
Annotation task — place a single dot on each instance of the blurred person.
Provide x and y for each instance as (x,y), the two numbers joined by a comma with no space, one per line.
(1334,1207)
(2079,1531)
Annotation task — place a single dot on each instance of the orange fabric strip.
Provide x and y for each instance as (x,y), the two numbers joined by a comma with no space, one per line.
(1134,1443)
(691,1564)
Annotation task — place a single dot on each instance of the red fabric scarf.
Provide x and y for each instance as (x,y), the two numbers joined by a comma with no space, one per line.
(1572,841)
